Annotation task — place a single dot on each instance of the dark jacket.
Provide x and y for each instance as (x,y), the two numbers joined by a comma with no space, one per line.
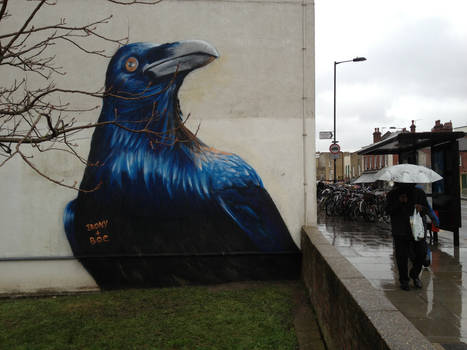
(400,212)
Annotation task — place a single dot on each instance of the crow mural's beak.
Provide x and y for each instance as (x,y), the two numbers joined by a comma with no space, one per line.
(182,56)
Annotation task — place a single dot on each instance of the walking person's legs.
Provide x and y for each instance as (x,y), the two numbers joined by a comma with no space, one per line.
(401,247)
(419,249)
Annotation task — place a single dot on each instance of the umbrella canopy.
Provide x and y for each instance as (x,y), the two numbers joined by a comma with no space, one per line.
(365,178)
(408,173)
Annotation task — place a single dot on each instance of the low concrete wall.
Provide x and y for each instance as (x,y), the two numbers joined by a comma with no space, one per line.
(351,313)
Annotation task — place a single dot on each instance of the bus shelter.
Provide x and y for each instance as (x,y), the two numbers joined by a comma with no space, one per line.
(443,152)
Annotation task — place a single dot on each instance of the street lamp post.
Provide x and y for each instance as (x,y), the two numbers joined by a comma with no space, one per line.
(356,59)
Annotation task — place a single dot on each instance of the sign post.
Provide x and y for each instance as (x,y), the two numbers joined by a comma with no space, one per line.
(334,148)
(325,135)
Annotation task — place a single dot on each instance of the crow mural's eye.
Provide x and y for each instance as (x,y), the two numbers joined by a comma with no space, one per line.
(131,64)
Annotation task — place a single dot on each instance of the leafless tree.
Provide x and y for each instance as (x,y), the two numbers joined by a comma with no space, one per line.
(38,117)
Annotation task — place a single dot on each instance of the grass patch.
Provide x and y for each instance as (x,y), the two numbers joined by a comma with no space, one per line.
(253,316)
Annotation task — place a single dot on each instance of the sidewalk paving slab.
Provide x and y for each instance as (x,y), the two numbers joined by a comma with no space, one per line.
(439,309)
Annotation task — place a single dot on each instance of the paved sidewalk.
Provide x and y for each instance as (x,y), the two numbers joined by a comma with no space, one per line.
(439,310)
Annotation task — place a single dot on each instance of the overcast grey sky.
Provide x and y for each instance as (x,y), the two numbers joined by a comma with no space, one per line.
(416,66)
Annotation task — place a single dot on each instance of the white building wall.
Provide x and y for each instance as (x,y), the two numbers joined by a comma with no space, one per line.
(256,100)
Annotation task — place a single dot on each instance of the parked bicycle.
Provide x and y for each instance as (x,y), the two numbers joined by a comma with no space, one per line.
(356,203)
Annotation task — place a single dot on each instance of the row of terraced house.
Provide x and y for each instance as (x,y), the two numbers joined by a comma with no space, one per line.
(351,165)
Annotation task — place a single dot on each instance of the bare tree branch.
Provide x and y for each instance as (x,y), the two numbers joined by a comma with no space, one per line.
(22,29)
(40,119)
(131,2)
(3,9)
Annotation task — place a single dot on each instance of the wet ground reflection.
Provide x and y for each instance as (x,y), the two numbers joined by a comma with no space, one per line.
(439,310)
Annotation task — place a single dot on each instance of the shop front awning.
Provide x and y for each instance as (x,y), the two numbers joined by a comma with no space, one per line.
(365,178)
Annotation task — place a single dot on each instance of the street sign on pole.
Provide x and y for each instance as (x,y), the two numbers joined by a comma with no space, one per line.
(325,135)
(334,148)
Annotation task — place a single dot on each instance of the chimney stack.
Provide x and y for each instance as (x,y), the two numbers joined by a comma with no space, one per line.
(376,135)
(439,127)
(448,126)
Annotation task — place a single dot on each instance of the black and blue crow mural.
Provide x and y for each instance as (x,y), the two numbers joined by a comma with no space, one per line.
(166,209)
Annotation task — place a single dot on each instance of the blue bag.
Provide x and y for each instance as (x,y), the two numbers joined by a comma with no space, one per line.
(427,261)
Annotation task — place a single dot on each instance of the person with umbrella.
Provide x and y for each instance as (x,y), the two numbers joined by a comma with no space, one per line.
(402,200)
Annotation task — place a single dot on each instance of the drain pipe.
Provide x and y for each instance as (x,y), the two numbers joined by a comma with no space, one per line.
(307,196)
(304,133)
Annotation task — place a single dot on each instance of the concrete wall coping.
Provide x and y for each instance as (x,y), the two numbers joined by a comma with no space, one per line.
(371,321)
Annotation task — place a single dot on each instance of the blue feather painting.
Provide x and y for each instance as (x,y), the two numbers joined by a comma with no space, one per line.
(159,207)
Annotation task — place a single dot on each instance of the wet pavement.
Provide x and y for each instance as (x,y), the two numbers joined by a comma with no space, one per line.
(439,309)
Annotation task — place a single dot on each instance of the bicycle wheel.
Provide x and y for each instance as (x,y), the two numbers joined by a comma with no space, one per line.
(330,208)
(370,213)
(354,211)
